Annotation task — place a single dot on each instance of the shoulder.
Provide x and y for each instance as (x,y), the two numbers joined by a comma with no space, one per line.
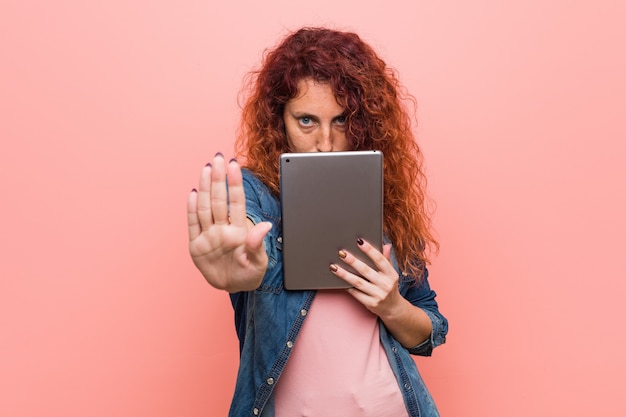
(260,196)
(250,179)
(252,185)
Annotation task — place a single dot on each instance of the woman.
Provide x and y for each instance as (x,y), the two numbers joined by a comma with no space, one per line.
(333,352)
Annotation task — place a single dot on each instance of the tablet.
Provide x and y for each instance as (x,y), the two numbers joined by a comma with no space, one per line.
(328,200)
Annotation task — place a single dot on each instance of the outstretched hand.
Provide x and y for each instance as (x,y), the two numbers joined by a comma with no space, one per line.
(224,245)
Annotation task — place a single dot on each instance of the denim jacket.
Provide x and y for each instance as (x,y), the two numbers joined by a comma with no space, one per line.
(269,319)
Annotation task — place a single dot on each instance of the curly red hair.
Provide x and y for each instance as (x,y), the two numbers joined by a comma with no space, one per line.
(376,119)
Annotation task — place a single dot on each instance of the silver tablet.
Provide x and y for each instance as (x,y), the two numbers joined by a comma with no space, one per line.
(329,200)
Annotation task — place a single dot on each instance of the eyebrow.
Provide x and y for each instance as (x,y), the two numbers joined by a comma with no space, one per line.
(299,114)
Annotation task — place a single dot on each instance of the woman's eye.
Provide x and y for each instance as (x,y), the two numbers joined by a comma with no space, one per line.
(306,121)
(341,120)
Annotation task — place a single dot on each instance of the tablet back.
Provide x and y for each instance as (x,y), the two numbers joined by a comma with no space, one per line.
(329,200)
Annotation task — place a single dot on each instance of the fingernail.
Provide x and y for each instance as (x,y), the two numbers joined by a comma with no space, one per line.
(342,254)
(219,154)
(232,160)
(333,267)
(208,164)
(359,242)
(193,190)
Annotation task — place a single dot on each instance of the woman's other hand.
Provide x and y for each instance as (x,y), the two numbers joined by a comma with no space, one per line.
(224,245)
(377,289)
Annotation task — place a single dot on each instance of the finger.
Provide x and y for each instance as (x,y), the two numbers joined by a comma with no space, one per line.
(236,195)
(380,259)
(387,251)
(193,225)
(357,282)
(203,199)
(361,268)
(254,242)
(219,196)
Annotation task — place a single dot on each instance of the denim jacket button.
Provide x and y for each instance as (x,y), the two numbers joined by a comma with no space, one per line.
(270,381)
(303,312)
(290,344)
(255,411)
(280,239)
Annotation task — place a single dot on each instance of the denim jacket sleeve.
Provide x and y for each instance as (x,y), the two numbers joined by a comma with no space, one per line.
(260,206)
(420,295)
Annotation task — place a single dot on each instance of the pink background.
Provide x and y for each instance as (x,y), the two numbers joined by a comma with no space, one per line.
(109,109)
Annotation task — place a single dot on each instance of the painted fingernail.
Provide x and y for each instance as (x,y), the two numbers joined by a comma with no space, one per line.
(193,190)
(359,241)
(342,254)
(232,160)
(333,267)
(219,154)
(208,164)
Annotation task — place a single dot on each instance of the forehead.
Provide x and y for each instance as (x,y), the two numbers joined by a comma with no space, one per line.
(313,95)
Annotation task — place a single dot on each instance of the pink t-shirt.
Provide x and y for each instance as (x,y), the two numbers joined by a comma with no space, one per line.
(338,367)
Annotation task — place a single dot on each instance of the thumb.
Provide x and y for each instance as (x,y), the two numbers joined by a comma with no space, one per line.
(254,239)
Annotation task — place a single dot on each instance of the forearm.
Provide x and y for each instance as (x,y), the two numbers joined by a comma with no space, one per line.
(408,324)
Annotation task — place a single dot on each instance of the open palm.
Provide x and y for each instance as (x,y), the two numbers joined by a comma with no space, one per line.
(225,246)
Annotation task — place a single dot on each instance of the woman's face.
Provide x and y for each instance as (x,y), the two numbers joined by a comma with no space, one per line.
(314,121)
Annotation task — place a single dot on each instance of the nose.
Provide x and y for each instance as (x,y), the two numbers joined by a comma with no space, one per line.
(325,139)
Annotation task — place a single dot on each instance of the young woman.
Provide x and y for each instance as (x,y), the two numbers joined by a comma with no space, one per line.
(328,352)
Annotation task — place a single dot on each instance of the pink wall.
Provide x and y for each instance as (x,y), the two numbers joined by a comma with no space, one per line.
(109,110)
